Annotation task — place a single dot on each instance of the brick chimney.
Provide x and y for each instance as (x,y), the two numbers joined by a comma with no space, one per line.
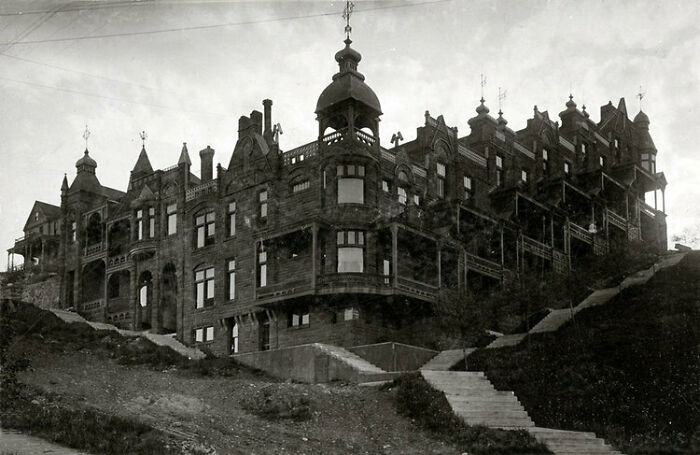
(256,118)
(267,104)
(207,159)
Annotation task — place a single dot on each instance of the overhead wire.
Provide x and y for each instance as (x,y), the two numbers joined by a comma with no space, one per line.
(214,26)
(90,7)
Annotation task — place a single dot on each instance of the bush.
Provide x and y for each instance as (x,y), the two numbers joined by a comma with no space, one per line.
(416,399)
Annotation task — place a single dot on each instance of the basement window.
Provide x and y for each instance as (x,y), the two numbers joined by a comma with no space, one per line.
(204,334)
(298,317)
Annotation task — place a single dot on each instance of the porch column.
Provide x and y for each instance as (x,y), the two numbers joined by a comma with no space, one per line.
(395,252)
(41,258)
(663,200)
(105,295)
(439,264)
(314,255)
(502,251)
(133,302)
(655,201)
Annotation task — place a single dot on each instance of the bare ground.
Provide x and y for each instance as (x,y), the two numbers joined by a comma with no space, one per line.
(210,411)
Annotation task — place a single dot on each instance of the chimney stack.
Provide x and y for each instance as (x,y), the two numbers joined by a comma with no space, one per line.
(267,104)
(256,118)
(207,158)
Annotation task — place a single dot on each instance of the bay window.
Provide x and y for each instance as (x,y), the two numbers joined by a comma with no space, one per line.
(351,184)
(350,251)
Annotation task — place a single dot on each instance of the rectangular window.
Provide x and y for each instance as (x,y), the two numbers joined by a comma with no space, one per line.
(139,224)
(386,271)
(350,251)
(601,160)
(234,339)
(567,168)
(151,222)
(204,334)
(523,175)
(204,287)
(232,218)
(416,199)
(351,184)
(441,180)
(499,170)
(385,186)
(298,317)
(402,195)
(467,183)
(262,268)
(73,231)
(262,198)
(171,211)
(584,148)
(231,279)
(205,224)
(499,162)
(351,314)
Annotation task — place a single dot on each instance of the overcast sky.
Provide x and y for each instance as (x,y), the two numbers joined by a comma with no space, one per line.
(191,85)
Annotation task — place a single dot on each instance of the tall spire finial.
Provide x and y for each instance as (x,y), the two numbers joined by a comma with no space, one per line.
(640,95)
(143,137)
(483,84)
(86,136)
(501,98)
(347,12)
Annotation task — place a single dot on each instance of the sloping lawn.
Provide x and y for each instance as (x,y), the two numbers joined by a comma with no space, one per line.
(628,370)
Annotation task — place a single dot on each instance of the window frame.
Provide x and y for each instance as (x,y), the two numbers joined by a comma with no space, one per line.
(232,208)
(345,175)
(347,240)
(171,216)
(205,229)
(231,279)
(204,334)
(208,286)
(441,173)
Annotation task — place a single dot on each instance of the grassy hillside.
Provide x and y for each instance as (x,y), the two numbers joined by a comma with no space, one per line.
(629,370)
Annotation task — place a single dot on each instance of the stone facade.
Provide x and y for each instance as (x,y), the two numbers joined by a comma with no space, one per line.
(343,240)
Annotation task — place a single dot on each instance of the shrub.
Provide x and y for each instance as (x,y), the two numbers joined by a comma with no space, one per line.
(275,403)
(416,399)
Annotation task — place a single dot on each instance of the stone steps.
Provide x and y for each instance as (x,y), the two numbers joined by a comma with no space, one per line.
(554,320)
(160,340)
(473,398)
(446,359)
(507,340)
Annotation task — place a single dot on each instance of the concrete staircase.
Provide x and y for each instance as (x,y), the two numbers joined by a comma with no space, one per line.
(473,398)
(557,318)
(446,359)
(160,340)
(366,371)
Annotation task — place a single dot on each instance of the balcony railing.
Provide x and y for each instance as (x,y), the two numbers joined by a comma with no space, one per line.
(646,209)
(335,136)
(93,249)
(617,220)
(537,248)
(116,261)
(580,233)
(364,137)
(484,266)
(286,288)
(93,305)
(417,288)
(299,154)
(197,191)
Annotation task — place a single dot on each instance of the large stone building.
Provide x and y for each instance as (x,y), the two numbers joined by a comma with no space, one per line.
(344,240)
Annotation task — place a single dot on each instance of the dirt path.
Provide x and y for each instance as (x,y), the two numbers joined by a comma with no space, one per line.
(208,410)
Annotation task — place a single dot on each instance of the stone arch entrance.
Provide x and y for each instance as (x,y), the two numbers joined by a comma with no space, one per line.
(168,300)
(118,286)
(92,289)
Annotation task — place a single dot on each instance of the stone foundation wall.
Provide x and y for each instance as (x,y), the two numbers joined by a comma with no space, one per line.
(44,294)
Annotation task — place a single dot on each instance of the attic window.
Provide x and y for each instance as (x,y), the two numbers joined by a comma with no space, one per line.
(36,216)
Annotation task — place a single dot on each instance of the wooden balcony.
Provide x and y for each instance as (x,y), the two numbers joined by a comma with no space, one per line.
(484,266)
(646,209)
(616,220)
(580,233)
(94,251)
(537,248)
(418,289)
(279,291)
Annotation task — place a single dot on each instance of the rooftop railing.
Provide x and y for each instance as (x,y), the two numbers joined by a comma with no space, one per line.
(197,191)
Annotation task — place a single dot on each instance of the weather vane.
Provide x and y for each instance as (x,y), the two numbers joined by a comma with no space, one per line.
(483,84)
(143,137)
(347,12)
(86,136)
(640,95)
(501,98)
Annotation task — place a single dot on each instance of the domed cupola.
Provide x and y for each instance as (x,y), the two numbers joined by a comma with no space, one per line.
(348,101)
(86,164)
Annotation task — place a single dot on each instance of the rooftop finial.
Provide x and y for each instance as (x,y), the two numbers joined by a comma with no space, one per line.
(640,95)
(483,84)
(143,137)
(501,98)
(347,12)
(86,136)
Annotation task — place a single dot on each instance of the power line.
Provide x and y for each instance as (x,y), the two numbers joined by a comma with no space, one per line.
(213,26)
(95,95)
(48,65)
(98,6)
